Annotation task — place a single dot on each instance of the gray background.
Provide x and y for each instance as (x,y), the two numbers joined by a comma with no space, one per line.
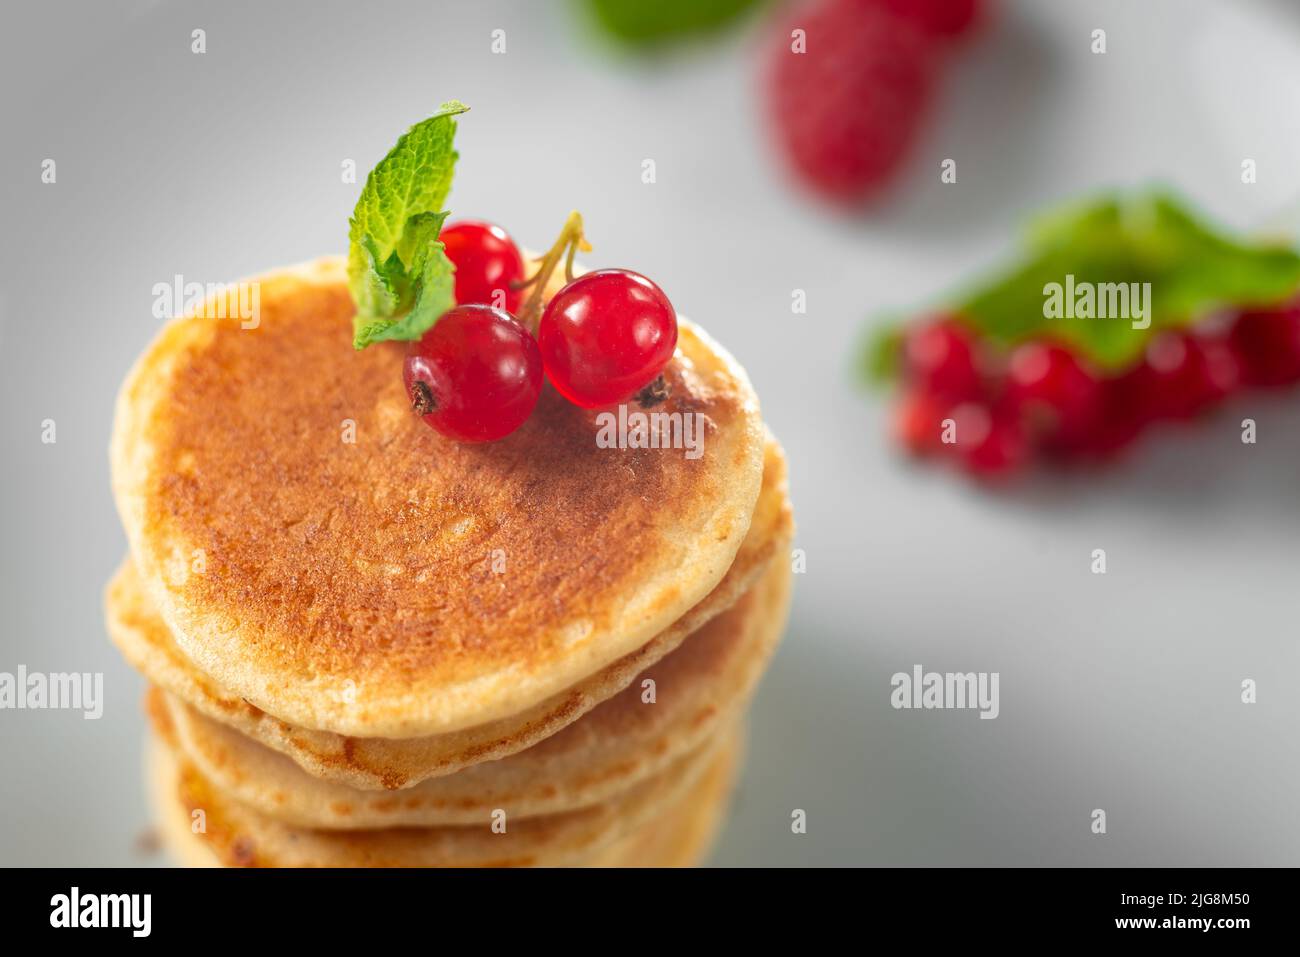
(1119,692)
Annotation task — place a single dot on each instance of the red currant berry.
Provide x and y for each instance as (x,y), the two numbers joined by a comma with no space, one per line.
(939,358)
(1053,391)
(1268,344)
(475,376)
(606,335)
(1188,373)
(1223,371)
(488,264)
(990,443)
(1124,409)
(1002,453)
(917,423)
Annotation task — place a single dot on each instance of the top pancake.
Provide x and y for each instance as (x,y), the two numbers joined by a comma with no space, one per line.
(357,586)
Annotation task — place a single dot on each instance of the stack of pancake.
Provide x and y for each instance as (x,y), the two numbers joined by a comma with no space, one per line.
(370,645)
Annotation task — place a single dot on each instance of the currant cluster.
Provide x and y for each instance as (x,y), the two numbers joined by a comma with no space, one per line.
(477,373)
(1044,400)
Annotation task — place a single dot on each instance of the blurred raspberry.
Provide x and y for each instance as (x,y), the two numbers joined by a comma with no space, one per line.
(940,18)
(847,109)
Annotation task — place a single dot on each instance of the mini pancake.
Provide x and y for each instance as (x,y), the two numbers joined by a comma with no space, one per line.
(700,688)
(380,763)
(236,835)
(354,586)
(683,835)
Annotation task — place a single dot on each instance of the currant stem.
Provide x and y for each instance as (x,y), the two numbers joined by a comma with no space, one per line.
(568,263)
(571,240)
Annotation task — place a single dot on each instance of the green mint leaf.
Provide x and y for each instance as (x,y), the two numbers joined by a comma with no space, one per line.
(1145,238)
(640,24)
(429,292)
(399,275)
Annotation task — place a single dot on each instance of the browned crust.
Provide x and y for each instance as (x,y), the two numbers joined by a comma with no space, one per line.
(698,689)
(237,836)
(366,569)
(378,763)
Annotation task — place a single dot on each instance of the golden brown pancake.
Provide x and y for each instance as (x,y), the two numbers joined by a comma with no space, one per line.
(680,836)
(380,763)
(355,587)
(698,689)
(238,836)
(684,834)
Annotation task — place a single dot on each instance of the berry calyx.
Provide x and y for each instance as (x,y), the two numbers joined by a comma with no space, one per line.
(653,394)
(606,336)
(489,266)
(475,376)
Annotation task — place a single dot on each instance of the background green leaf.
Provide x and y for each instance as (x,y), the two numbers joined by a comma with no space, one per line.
(643,23)
(1148,237)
